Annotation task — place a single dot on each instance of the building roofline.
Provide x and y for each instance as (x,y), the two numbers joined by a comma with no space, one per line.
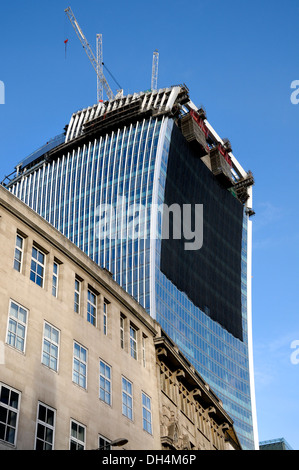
(106,116)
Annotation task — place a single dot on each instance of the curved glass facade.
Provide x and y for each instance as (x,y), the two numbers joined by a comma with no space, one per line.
(100,195)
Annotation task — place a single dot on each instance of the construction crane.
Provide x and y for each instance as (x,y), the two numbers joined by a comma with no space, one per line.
(100,67)
(96,65)
(154,83)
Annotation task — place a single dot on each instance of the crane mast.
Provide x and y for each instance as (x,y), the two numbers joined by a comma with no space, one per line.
(100,67)
(97,67)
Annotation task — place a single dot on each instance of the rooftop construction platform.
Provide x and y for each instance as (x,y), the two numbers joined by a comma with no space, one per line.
(107,116)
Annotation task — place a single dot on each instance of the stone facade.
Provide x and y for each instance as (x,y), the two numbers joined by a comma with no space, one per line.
(191,415)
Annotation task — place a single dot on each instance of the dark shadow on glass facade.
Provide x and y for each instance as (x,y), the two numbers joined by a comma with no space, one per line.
(210,276)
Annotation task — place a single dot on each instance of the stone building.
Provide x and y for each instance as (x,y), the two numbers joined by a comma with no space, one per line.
(191,415)
(82,364)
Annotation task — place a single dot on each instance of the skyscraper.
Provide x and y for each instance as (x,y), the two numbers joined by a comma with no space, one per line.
(145,186)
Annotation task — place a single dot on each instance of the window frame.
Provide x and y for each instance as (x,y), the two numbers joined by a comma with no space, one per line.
(77,292)
(107,380)
(21,250)
(45,424)
(80,361)
(122,331)
(143,345)
(24,324)
(51,343)
(105,317)
(38,263)
(93,306)
(133,342)
(10,409)
(106,444)
(147,412)
(129,396)
(56,277)
(76,440)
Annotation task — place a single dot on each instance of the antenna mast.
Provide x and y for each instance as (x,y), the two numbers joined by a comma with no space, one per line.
(154,83)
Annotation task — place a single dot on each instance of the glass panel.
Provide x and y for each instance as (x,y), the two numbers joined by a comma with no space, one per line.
(55,335)
(49,435)
(34,253)
(12,418)
(22,315)
(81,433)
(50,417)
(83,354)
(18,255)
(47,331)
(4,398)
(10,435)
(19,242)
(82,381)
(17,265)
(41,413)
(73,445)
(74,429)
(2,431)
(39,445)
(3,414)
(13,310)
(41,257)
(12,326)
(40,431)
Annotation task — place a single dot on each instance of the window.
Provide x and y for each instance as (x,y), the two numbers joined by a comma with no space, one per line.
(50,347)
(104,444)
(105,382)
(9,414)
(55,279)
(122,331)
(143,351)
(17,324)
(77,296)
(133,342)
(127,398)
(45,428)
(77,439)
(105,317)
(80,365)
(146,413)
(91,307)
(37,267)
(18,258)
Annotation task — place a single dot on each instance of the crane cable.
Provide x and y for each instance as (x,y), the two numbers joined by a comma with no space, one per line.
(120,87)
(65,44)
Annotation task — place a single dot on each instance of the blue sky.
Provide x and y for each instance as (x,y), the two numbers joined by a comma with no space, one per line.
(238,60)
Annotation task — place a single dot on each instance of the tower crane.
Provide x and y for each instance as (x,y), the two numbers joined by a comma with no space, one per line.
(97,67)
(154,83)
(100,66)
